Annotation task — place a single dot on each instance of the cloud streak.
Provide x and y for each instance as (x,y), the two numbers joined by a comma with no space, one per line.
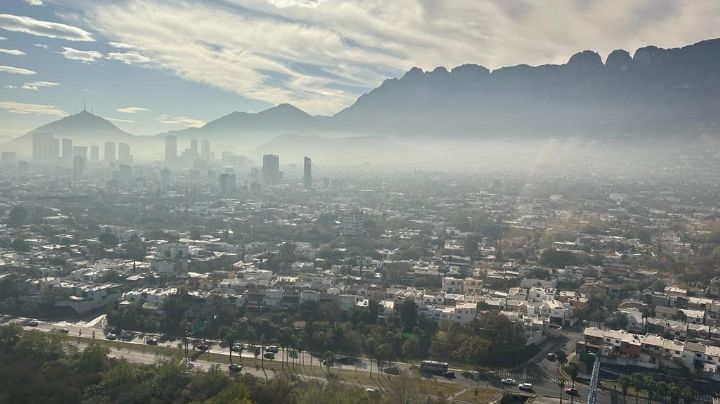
(37,85)
(131,110)
(180,120)
(32,26)
(35,109)
(83,56)
(16,70)
(128,58)
(13,52)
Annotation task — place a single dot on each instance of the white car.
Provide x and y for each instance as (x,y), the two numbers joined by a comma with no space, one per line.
(525,386)
(510,382)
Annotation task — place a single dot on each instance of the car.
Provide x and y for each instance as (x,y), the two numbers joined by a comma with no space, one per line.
(202,347)
(234,367)
(346,360)
(269,355)
(372,390)
(293,354)
(391,370)
(449,374)
(551,356)
(33,323)
(272,348)
(509,381)
(65,331)
(525,386)
(572,391)
(151,341)
(237,347)
(127,336)
(111,337)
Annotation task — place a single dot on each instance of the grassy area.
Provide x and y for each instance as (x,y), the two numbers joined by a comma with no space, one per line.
(477,395)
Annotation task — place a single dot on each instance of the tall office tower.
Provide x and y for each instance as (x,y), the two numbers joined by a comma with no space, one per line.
(67,151)
(8,157)
(46,148)
(109,151)
(80,151)
(307,172)
(124,153)
(270,173)
(78,166)
(94,153)
(193,152)
(205,152)
(170,149)
(227,183)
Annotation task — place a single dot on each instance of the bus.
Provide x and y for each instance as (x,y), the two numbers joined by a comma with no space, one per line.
(433,367)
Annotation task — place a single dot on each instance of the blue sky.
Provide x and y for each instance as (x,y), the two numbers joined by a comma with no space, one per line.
(157,65)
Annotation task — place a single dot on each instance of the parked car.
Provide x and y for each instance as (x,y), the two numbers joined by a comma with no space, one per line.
(510,382)
(346,360)
(572,391)
(65,331)
(551,356)
(202,347)
(293,354)
(151,341)
(111,337)
(237,347)
(525,386)
(33,323)
(269,355)
(234,367)
(449,374)
(392,370)
(272,348)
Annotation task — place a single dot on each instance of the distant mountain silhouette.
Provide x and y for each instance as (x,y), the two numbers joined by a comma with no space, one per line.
(83,128)
(664,93)
(656,91)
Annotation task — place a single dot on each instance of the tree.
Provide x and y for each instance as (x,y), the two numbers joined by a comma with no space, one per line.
(572,370)
(18,216)
(624,382)
(229,337)
(328,360)
(688,395)
(649,385)
(410,348)
(561,384)
(637,383)
(617,321)
(108,239)
(408,313)
(470,246)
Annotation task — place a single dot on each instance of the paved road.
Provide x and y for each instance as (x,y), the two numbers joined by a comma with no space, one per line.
(539,371)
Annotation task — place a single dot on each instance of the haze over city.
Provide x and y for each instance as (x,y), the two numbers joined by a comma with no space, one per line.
(340,201)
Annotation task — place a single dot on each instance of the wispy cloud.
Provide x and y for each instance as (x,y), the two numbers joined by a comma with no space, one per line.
(24,108)
(34,2)
(13,52)
(2,38)
(128,57)
(83,56)
(131,110)
(41,45)
(16,70)
(121,45)
(180,120)
(36,85)
(29,25)
(120,120)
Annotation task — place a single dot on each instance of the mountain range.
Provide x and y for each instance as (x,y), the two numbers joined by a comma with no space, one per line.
(655,92)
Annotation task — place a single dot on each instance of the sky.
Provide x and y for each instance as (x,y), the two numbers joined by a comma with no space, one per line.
(156,65)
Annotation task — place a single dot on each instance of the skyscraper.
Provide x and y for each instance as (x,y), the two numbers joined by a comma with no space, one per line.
(205,151)
(94,153)
(109,151)
(46,149)
(307,172)
(78,166)
(67,151)
(270,173)
(170,149)
(227,183)
(80,151)
(124,153)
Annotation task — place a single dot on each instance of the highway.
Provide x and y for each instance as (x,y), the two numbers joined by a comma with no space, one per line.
(539,371)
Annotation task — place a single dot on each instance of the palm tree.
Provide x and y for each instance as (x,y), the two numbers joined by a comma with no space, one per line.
(229,337)
(688,395)
(675,393)
(624,382)
(649,385)
(637,383)
(572,370)
(561,383)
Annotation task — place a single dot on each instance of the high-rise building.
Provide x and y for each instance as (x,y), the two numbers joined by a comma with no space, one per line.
(8,157)
(94,153)
(205,152)
(78,166)
(109,151)
(193,149)
(307,172)
(170,149)
(67,150)
(80,151)
(124,153)
(46,149)
(353,223)
(270,173)
(226,183)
